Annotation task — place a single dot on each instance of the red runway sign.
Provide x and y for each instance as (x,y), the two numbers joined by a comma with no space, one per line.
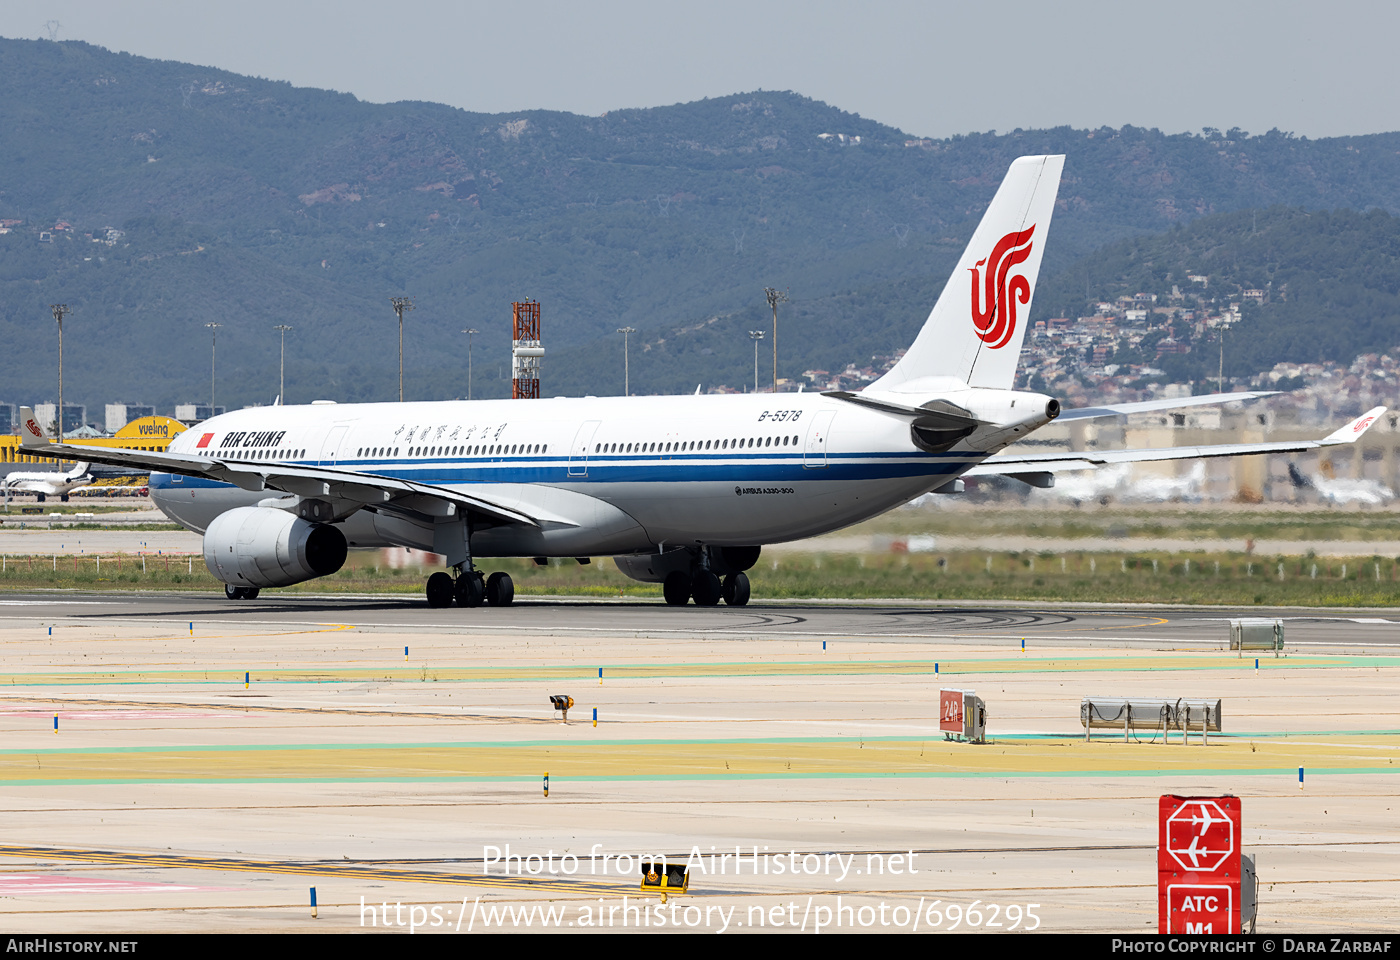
(950,711)
(1198,865)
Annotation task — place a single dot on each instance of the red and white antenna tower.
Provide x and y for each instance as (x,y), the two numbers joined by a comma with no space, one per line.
(526,351)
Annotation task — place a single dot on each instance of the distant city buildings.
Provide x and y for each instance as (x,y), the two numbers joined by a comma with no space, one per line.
(120,414)
(195,412)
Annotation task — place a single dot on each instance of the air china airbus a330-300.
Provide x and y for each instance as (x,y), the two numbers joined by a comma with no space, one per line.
(683,491)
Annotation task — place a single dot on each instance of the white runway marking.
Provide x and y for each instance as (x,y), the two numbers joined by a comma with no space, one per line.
(21,883)
(66,603)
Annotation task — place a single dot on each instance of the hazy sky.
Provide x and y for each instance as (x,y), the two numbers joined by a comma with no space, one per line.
(932,69)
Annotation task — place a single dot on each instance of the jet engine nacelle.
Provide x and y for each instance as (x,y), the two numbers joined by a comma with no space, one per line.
(266,547)
(655,567)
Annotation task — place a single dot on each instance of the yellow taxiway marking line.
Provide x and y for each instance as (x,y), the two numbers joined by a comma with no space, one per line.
(514,884)
(847,756)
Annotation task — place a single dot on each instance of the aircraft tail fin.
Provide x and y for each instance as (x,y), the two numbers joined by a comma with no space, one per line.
(30,433)
(1353,431)
(975,331)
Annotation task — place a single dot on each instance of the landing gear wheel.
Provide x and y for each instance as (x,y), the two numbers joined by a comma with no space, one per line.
(240,593)
(470,590)
(439,590)
(676,588)
(736,589)
(500,590)
(706,588)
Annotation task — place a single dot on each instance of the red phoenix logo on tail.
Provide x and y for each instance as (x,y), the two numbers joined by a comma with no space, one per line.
(994,311)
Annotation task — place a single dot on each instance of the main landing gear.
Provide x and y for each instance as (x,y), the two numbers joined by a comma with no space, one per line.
(706,587)
(470,589)
(240,593)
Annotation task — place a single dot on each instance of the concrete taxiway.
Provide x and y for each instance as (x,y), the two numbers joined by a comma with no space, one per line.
(214,760)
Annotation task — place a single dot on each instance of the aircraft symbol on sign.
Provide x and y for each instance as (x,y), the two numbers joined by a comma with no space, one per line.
(1206,820)
(1193,852)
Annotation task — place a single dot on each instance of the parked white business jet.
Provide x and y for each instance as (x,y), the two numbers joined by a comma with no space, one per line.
(681,490)
(50,484)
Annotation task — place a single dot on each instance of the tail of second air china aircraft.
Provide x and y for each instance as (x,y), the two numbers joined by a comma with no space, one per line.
(975,331)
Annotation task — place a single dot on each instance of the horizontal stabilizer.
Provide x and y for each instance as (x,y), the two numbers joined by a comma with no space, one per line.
(939,413)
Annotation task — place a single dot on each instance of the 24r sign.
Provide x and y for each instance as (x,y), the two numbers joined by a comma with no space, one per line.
(1198,865)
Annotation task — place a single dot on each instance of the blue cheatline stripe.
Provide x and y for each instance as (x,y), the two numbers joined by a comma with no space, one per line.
(758,469)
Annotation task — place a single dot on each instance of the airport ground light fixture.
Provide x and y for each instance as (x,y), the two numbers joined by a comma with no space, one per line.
(665,879)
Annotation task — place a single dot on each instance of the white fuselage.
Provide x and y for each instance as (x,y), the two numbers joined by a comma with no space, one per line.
(601,475)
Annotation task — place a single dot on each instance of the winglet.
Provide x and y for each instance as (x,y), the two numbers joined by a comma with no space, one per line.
(30,433)
(1353,431)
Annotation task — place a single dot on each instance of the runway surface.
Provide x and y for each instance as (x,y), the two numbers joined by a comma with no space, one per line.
(212,760)
(878,621)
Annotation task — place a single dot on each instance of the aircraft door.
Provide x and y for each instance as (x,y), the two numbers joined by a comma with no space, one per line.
(818,431)
(578,453)
(330,449)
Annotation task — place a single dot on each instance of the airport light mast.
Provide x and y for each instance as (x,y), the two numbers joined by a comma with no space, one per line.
(626,361)
(213,360)
(60,310)
(1220,381)
(775,297)
(755,336)
(470,332)
(400,305)
(282,371)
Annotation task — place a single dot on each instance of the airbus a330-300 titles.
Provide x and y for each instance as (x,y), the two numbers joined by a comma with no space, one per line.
(683,491)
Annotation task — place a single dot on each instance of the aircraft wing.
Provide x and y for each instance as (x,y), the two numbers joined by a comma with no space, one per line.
(303,481)
(1033,464)
(1146,406)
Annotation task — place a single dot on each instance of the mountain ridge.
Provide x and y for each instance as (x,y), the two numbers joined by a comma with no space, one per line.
(250,203)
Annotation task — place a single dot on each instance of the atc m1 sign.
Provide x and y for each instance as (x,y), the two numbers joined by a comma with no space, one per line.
(1198,865)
